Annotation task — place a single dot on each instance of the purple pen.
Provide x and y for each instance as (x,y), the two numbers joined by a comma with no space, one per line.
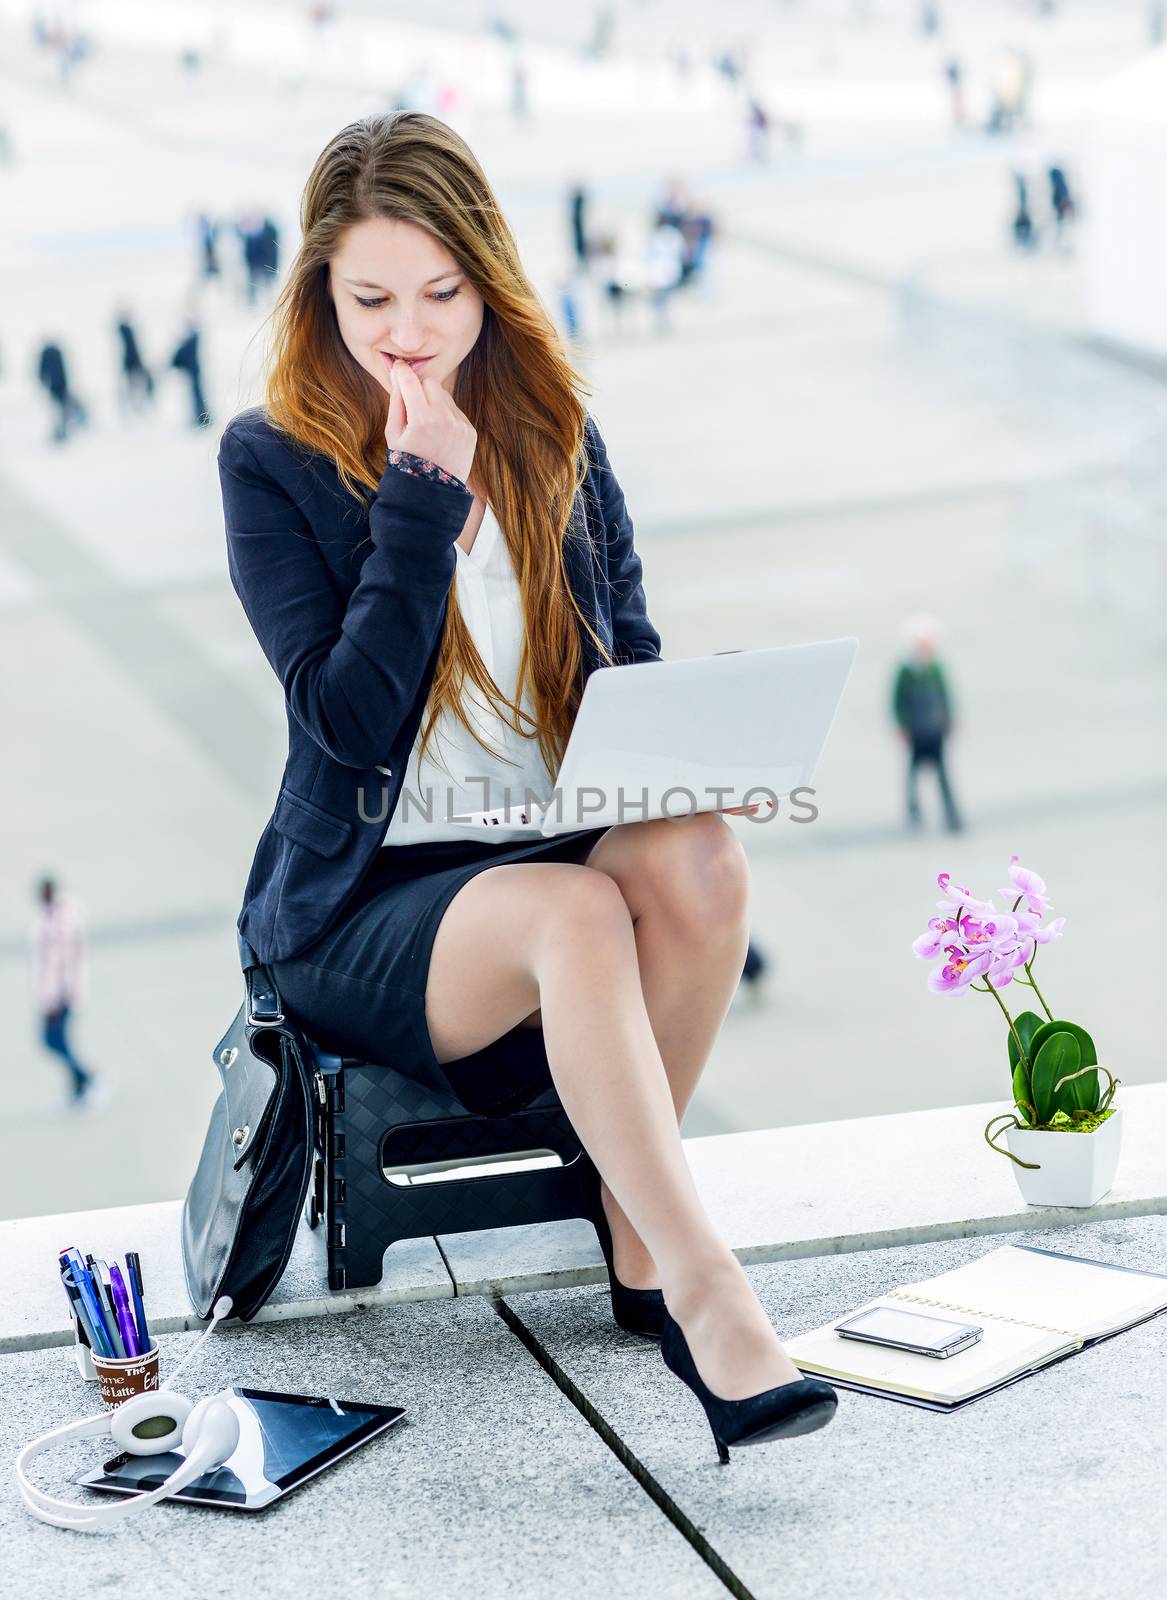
(125,1316)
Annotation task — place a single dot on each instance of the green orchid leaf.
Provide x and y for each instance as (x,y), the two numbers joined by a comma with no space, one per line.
(1022,1094)
(1057,1058)
(1026,1025)
(1083,1092)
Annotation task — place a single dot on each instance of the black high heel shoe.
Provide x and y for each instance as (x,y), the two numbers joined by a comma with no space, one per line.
(792,1408)
(640,1311)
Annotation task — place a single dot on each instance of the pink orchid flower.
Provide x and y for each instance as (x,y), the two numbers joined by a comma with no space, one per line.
(1028,885)
(1022,948)
(1029,928)
(929,945)
(988,933)
(978,941)
(959,898)
(1001,971)
(1020,953)
(958,971)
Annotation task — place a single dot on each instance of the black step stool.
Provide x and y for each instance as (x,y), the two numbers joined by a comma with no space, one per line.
(371,1120)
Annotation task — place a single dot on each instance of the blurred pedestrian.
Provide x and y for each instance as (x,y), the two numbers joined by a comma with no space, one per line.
(698,231)
(186,359)
(603,32)
(754,972)
(954,77)
(247,228)
(616,274)
(269,251)
(757,129)
(569,305)
(208,235)
(1012,86)
(1024,232)
(695,223)
(58,978)
(578,208)
(664,264)
(259,238)
(53,377)
(922,709)
(136,381)
(520,101)
(674,204)
(731,66)
(1061,204)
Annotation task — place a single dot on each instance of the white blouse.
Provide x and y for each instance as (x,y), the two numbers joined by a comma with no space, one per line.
(487,592)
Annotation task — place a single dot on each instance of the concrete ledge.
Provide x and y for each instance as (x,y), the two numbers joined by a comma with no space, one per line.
(829,1188)
(825,1188)
(38,1316)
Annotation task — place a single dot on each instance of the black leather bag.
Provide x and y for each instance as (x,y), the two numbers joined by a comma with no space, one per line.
(243,1207)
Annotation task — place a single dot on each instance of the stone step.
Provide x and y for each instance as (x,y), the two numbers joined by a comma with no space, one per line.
(887,1501)
(818,1189)
(491,1485)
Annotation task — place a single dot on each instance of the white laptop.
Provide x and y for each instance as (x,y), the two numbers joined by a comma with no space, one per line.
(670,738)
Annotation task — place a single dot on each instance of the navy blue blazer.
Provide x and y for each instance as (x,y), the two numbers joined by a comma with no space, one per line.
(348,604)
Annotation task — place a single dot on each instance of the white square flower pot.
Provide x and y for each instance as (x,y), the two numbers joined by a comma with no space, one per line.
(1075,1169)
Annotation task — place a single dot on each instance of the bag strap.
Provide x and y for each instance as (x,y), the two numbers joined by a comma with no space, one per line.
(264,1006)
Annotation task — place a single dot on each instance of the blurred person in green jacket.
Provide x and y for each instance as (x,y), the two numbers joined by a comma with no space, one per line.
(922,708)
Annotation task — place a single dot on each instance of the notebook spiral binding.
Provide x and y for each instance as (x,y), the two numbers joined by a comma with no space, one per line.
(975,1311)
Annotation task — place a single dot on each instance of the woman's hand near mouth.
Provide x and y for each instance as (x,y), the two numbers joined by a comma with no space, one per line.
(424,420)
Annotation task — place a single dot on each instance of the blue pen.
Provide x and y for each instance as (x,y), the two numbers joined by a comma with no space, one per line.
(105,1305)
(76,1304)
(89,1298)
(102,1344)
(134,1268)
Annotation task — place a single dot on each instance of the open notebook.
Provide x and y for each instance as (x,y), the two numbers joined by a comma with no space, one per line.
(1035,1306)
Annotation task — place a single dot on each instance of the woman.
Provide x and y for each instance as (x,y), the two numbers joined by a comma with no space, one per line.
(422,439)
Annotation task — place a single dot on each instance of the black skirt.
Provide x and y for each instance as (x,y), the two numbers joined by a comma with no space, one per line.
(359,989)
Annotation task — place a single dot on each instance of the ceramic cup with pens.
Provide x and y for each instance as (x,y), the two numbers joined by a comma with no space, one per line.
(113,1341)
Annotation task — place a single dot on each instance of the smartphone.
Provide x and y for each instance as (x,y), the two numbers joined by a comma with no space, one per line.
(909,1330)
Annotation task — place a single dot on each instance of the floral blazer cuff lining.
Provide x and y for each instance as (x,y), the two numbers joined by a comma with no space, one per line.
(419,467)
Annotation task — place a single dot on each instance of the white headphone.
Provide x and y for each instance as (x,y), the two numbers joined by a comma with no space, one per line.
(147,1425)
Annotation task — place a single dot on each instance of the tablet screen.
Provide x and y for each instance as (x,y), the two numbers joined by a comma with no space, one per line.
(283,1439)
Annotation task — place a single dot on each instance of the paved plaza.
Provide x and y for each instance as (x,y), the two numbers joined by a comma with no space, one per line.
(542,1446)
(874,408)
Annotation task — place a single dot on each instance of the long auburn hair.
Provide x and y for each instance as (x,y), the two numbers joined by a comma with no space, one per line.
(516,386)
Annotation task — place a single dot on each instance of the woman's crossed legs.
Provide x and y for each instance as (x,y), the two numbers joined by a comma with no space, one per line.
(628,962)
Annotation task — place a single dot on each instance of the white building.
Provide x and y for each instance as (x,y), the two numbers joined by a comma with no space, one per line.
(1125,216)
